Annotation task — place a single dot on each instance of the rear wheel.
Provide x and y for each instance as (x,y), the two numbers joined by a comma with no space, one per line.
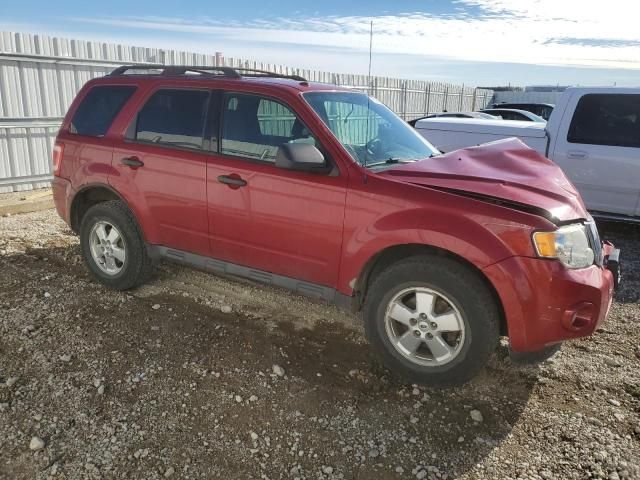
(112,246)
(432,320)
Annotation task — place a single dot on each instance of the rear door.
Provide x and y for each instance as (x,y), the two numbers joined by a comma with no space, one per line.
(161,166)
(267,218)
(87,148)
(599,149)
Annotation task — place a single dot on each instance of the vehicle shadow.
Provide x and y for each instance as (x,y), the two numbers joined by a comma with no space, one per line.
(334,399)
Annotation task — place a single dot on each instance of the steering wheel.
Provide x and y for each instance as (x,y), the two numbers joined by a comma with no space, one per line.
(374,147)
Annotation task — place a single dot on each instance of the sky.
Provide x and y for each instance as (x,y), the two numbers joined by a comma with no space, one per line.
(475,42)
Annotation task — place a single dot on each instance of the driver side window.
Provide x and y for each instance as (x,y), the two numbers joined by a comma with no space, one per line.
(254,127)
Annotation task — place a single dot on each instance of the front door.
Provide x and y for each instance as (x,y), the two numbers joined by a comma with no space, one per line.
(260,216)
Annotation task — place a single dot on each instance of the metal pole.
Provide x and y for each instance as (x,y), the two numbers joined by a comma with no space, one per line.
(404,100)
(446,98)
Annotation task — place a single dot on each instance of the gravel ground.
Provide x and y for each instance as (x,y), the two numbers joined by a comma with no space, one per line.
(195,376)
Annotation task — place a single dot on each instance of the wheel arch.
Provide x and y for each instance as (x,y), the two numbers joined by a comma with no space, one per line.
(392,254)
(90,195)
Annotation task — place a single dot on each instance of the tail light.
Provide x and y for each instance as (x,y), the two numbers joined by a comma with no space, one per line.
(58,151)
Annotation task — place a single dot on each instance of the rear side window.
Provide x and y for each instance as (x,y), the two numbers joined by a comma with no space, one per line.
(174,117)
(602,119)
(98,109)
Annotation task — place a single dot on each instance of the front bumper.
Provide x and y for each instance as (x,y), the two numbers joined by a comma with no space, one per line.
(545,303)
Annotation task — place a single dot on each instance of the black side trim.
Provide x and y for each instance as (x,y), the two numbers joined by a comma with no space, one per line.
(214,265)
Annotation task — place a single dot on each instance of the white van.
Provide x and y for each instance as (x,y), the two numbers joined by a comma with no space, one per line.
(593,134)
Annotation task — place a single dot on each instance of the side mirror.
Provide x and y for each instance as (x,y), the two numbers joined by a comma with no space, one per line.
(300,156)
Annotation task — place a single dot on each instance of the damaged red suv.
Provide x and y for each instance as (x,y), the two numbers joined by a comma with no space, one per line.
(326,192)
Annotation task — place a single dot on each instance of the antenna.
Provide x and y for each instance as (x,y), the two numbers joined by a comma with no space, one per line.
(368,93)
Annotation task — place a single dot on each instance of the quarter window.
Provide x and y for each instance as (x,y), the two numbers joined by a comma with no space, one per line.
(254,127)
(606,119)
(174,117)
(98,109)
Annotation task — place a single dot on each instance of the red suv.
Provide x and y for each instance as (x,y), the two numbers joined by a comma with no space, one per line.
(325,191)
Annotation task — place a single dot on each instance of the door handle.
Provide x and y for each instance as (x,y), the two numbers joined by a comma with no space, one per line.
(577,154)
(233,181)
(133,162)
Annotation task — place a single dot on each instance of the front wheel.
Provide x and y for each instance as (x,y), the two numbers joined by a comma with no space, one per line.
(432,320)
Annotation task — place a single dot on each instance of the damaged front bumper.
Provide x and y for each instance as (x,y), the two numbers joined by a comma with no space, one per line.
(546,303)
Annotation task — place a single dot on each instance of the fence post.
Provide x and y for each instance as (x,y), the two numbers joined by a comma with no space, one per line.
(446,98)
(427,93)
(473,102)
(461,99)
(404,99)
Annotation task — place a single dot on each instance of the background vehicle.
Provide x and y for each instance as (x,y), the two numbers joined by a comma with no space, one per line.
(448,134)
(480,115)
(325,191)
(513,114)
(541,109)
(593,134)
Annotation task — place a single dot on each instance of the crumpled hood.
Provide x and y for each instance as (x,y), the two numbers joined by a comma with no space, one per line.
(507,170)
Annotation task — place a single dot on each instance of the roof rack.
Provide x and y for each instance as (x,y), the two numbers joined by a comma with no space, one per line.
(178,70)
(251,72)
(227,72)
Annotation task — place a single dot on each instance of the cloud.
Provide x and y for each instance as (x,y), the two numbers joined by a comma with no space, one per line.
(544,32)
(594,42)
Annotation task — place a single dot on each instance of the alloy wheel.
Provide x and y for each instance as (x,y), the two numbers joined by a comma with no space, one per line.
(425,326)
(107,248)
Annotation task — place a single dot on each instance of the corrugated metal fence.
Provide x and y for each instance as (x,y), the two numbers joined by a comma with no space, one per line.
(40,75)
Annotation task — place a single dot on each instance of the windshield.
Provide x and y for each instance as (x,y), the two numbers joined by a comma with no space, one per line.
(369,131)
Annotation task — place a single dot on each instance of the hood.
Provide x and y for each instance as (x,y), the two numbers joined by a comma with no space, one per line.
(505,170)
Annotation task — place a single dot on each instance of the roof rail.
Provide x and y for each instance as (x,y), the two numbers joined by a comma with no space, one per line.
(229,72)
(178,70)
(251,72)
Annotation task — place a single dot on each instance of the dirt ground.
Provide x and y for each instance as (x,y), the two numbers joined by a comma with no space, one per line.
(196,376)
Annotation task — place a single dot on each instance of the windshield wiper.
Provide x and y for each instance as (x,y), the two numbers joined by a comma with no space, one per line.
(390,161)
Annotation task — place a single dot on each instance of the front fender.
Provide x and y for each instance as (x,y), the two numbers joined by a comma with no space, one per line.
(460,236)
(481,233)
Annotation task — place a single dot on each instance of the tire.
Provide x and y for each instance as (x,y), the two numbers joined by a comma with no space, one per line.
(118,222)
(465,302)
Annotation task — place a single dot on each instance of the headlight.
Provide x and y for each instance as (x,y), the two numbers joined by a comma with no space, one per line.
(569,244)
